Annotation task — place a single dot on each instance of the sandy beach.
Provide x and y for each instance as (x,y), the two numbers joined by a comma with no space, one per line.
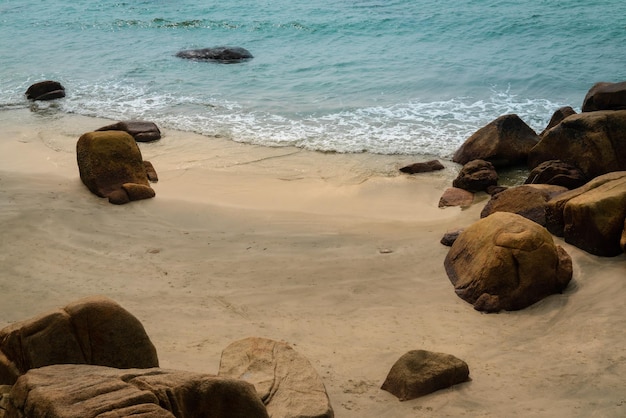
(335,254)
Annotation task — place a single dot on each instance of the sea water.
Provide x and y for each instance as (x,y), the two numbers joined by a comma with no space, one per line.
(381,76)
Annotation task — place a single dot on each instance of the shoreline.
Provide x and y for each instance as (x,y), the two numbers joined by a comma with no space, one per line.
(336,254)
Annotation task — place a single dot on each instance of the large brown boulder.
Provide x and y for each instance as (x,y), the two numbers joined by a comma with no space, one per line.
(82,391)
(557,117)
(111,166)
(93,330)
(605,96)
(419,372)
(591,217)
(45,90)
(504,142)
(285,380)
(594,142)
(476,176)
(142,131)
(529,201)
(506,262)
(557,173)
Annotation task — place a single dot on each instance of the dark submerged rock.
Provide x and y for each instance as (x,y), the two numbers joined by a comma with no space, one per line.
(224,54)
(45,90)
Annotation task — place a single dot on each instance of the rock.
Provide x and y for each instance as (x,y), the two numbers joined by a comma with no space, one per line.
(419,372)
(451,236)
(557,117)
(151,172)
(224,54)
(476,176)
(83,391)
(93,330)
(529,201)
(492,190)
(424,167)
(557,173)
(504,142)
(285,380)
(622,241)
(45,90)
(506,262)
(591,217)
(453,196)
(142,131)
(111,166)
(594,142)
(605,96)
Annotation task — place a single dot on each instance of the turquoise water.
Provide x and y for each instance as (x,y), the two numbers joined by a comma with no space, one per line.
(398,76)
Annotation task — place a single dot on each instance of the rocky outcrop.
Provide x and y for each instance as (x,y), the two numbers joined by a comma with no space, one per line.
(285,380)
(424,167)
(594,142)
(93,330)
(111,166)
(557,117)
(506,262)
(591,217)
(557,173)
(504,142)
(476,176)
(529,201)
(419,372)
(225,54)
(142,131)
(605,96)
(45,90)
(82,391)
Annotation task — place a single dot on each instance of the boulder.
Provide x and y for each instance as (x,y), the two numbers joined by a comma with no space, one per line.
(142,131)
(424,167)
(557,117)
(476,176)
(453,196)
(111,166)
(450,236)
(506,262)
(94,330)
(557,173)
(285,380)
(45,90)
(591,217)
(594,142)
(84,391)
(419,372)
(529,201)
(504,142)
(605,96)
(225,54)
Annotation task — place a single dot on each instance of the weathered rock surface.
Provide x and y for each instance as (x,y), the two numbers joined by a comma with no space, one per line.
(591,217)
(504,142)
(529,201)
(605,96)
(453,196)
(594,142)
(418,373)
(506,262)
(476,176)
(226,54)
(557,117)
(111,166)
(285,380)
(45,90)
(423,167)
(93,330)
(83,391)
(557,173)
(142,131)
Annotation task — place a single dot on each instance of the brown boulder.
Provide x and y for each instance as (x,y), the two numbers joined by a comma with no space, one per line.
(557,117)
(111,166)
(505,141)
(424,167)
(82,391)
(476,176)
(93,330)
(142,131)
(453,196)
(593,142)
(45,90)
(557,173)
(529,201)
(591,217)
(505,261)
(285,380)
(605,96)
(418,373)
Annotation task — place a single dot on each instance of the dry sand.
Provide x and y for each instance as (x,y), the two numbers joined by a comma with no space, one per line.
(338,255)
